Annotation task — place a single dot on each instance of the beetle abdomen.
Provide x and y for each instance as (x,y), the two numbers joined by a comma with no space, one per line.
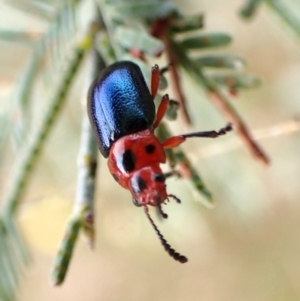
(119,104)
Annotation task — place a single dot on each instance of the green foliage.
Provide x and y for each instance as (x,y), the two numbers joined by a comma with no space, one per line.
(31,145)
(287,11)
(134,30)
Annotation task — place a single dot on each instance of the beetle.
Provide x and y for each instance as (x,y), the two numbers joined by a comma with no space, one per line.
(123,117)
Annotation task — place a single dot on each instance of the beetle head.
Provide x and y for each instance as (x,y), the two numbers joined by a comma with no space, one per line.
(148,187)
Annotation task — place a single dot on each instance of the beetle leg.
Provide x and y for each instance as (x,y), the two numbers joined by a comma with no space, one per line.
(162,109)
(175,198)
(165,69)
(155,78)
(164,215)
(155,75)
(172,173)
(177,140)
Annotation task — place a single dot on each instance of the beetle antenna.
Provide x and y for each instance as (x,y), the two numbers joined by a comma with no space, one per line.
(210,134)
(174,197)
(168,248)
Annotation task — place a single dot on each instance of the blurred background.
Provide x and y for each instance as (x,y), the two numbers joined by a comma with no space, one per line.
(246,248)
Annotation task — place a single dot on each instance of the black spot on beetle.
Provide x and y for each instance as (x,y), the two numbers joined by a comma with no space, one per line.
(159,178)
(128,160)
(115,177)
(149,148)
(142,185)
(138,185)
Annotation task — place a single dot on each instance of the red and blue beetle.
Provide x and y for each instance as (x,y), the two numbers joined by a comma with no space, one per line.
(123,116)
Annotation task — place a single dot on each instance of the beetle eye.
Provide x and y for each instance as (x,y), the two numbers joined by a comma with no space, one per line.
(136,202)
(159,178)
(138,185)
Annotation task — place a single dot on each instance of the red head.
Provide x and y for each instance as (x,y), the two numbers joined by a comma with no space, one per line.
(134,163)
(147,186)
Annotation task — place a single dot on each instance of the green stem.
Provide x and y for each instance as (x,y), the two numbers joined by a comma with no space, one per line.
(65,251)
(286,14)
(27,160)
(110,27)
(83,212)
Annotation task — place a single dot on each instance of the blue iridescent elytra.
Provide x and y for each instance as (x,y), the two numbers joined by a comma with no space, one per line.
(119,103)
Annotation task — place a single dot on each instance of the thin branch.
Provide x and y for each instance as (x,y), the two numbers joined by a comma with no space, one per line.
(220,147)
(83,211)
(65,251)
(87,166)
(220,100)
(160,30)
(109,26)
(27,160)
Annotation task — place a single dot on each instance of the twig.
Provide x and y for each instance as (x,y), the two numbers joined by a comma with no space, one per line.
(160,30)
(27,160)
(87,166)
(219,99)
(83,211)
(65,251)
(221,147)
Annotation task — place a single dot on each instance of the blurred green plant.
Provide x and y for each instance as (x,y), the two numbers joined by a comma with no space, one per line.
(286,11)
(122,30)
